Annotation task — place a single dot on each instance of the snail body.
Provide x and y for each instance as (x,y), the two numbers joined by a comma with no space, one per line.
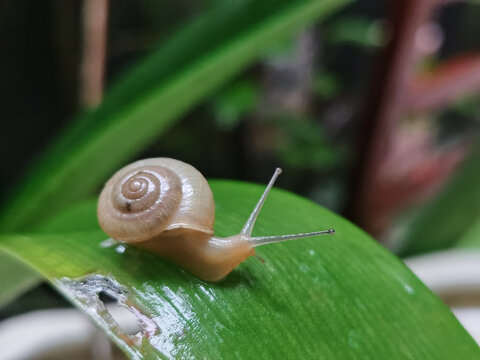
(166,207)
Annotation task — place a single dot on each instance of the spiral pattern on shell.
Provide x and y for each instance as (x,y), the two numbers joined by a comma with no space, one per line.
(137,203)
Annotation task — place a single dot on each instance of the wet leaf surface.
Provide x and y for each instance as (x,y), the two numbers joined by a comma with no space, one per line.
(331,297)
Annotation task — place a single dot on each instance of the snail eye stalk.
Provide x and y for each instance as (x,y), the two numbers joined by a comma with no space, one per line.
(248,227)
(262,240)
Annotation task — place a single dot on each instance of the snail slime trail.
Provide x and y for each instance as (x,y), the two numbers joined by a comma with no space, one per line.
(166,206)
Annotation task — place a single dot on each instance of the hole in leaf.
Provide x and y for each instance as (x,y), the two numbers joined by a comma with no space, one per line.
(125,318)
(105,300)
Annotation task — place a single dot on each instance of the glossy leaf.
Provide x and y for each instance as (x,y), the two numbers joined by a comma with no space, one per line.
(332,297)
(148,100)
(451,214)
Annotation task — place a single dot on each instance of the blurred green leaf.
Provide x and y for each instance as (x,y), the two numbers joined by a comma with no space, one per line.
(356,30)
(331,297)
(279,50)
(447,218)
(326,84)
(146,102)
(234,102)
(302,144)
(471,238)
(468,106)
(78,217)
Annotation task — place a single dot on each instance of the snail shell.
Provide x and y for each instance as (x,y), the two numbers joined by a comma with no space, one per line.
(152,196)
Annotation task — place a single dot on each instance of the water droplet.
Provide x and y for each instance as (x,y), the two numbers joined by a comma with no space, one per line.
(120,249)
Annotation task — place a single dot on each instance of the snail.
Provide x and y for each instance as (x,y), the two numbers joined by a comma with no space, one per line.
(166,207)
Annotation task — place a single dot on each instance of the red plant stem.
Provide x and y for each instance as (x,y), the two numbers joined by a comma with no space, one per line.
(384,107)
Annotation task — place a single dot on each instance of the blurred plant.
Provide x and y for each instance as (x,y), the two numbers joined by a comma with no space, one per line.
(355,30)
(326,85)
(399,163)
(301,144)
(235,102)
(451,215)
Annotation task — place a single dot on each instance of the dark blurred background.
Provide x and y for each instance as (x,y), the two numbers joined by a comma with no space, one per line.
(368,113)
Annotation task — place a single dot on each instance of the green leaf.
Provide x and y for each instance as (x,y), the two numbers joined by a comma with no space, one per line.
(16,278)
(449,216)
(332,297)
(146,102)
(303,144)
(471,238)
(79,217)
(326,84)
(234,102)
(356,30)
